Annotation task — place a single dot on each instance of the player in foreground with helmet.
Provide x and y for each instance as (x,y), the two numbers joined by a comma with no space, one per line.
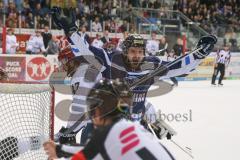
(114,136)
(132,65)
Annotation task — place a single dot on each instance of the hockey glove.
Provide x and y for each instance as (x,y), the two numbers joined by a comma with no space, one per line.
(206,43)
(65,22)
(163,130)
(65,138)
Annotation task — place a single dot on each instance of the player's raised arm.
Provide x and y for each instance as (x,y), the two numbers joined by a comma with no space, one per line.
(183,65)
(78,42)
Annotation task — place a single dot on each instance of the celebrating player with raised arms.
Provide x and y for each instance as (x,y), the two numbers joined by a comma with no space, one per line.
(131,65)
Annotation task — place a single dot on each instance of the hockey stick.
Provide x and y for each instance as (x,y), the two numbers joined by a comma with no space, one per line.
(161,69)
(184,150)
(136,83)
(76,124)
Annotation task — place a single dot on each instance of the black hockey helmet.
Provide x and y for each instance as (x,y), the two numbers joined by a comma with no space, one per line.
(133,40)
(111,97)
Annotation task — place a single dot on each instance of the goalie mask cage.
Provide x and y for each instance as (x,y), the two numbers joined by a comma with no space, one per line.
(26,113)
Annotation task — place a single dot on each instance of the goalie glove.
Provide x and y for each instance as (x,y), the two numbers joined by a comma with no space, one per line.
(63,138)
(65,22)
(206,43)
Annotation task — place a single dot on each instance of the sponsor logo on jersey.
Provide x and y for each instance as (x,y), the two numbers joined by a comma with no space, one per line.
(129,139)
(139,97)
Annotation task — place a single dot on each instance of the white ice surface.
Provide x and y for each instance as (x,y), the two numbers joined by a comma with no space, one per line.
(214,132)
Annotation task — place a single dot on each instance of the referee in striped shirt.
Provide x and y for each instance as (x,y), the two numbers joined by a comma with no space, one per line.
(222,60)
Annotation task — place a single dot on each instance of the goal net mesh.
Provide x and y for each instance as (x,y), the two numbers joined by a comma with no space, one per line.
(26,120)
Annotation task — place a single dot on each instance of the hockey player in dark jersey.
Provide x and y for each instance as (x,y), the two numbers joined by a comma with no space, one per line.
(131,64)
(114,136)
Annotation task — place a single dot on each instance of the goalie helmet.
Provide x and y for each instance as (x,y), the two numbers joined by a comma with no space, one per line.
(133,40)
(68,61)
(110,97)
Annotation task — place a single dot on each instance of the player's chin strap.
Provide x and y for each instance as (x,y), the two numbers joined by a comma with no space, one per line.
(180,147)
(162,69)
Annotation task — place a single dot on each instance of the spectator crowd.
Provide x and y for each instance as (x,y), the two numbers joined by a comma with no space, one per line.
(216,16)
(219,17)
(96,15)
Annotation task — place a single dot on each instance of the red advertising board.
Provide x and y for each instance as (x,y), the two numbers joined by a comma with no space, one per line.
(14,66)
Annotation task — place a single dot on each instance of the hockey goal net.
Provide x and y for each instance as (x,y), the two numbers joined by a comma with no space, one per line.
(26,120)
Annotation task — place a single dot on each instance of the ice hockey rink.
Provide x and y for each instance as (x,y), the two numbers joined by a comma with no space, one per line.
(206,119)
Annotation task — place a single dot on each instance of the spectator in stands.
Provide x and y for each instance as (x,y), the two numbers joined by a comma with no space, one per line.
(83,30)
(53,46)
(12,20)
(162,13)
(163,47)
(35,44)
(106,16)
(105,38)
(84,22)
(96,25)
(97,42)
(178,47)
(230,37)
(120,41)
(80,8)
(43,21)
(11,42)
(11,8)
(124,27)
(30,20)
(112,28)
(47,36)
(110,25)
(152,46)
(157,4)
(216,16)
(38,11)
